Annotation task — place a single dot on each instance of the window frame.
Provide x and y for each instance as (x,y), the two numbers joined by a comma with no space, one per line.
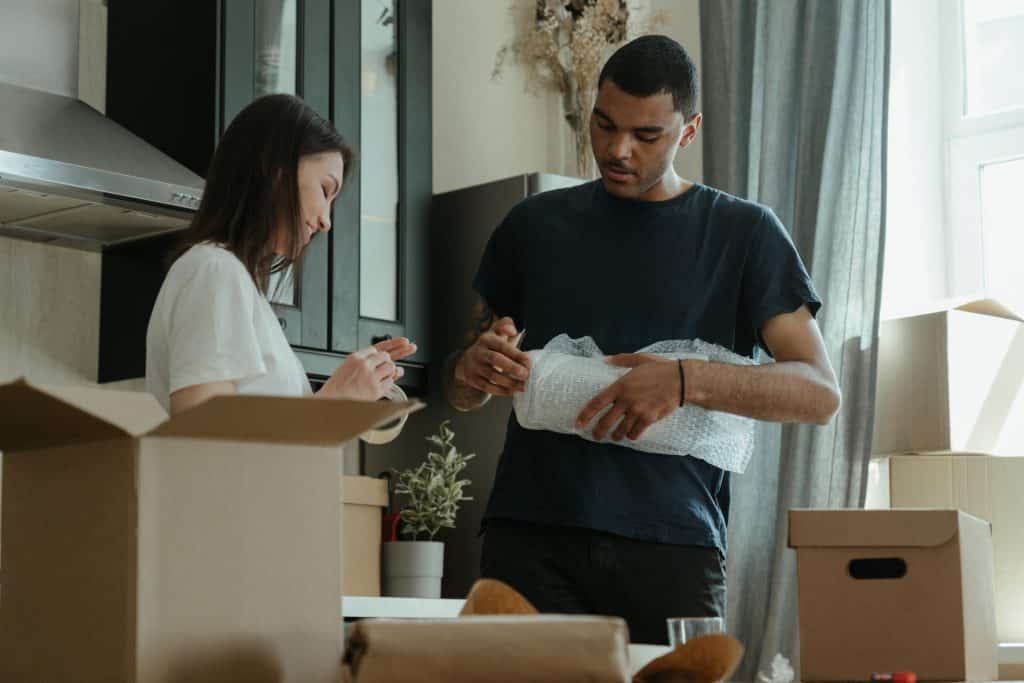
(971,142)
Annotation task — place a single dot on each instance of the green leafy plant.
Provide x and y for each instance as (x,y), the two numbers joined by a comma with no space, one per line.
(434,487)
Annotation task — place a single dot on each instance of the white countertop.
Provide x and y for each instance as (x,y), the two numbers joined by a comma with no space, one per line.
(360,607)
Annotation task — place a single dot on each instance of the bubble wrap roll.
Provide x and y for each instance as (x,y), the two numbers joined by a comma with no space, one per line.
(567,373)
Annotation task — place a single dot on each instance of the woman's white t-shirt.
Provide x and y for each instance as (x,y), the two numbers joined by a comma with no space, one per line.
(210,323)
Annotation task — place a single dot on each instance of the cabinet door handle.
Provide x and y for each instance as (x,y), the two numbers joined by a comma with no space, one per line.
(380,338)
(284,323)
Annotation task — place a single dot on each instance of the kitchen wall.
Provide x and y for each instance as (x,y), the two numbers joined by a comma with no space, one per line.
(50,308)
(39,44)
(486,129)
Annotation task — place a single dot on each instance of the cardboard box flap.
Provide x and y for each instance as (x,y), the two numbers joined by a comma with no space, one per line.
(36,416)
(136,412)
(969,304)
(872,528)
(364,491)
(274,419)
(990,307)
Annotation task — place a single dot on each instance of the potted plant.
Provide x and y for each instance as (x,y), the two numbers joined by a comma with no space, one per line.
(413,568)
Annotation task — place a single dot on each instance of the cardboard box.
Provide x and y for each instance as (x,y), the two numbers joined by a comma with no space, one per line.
(989,488)
(204,547)
(363,501)
(894,590)
(951,380)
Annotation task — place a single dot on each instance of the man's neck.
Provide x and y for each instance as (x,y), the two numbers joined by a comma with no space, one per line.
(669,187)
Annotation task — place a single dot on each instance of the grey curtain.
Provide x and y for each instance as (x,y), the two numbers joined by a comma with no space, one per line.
(794,104)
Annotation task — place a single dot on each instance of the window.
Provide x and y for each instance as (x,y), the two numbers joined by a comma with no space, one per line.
(985,138)
(993,50)
(956,154)
(1002,229)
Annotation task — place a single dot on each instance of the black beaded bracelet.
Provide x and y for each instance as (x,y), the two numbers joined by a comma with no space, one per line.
(682,384)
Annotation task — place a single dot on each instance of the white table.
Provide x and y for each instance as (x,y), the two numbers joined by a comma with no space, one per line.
(1011,659)
(359,607)
(356,607)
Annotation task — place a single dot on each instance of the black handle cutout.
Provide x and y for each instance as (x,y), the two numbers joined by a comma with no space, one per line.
(878,568)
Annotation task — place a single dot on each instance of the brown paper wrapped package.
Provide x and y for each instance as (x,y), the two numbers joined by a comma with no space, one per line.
(502,649)
(702,660)
(551,648)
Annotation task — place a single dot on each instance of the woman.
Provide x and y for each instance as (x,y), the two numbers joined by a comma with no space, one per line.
(271,185)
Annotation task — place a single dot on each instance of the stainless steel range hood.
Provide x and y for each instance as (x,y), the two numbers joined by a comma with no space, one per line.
(70,175)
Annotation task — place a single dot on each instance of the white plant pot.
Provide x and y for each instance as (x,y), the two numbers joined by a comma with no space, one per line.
(413,569)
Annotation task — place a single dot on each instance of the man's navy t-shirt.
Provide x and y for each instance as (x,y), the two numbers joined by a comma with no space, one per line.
(703,265)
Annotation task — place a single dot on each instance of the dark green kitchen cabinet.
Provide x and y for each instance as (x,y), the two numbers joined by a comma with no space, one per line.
(380,276)
(178,72)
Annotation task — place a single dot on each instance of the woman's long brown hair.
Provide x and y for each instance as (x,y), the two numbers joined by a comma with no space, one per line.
(252,186)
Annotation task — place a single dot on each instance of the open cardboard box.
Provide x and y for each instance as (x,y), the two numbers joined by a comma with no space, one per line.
(951,380)
(204,547)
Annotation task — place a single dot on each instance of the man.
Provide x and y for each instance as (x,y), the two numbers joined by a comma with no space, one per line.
(640,255)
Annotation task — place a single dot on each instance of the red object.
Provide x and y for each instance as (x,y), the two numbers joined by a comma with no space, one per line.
(389,531)
(896,677)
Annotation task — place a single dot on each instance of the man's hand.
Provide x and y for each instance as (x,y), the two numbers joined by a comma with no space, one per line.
(649,392)
(493,364)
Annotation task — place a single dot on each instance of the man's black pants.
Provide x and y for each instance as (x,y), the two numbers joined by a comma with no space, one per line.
(579,571)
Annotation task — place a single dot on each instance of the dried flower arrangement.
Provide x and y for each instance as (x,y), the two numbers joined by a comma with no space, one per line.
(564,50)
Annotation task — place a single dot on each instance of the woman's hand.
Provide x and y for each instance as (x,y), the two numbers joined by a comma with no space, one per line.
(368,374)
(397,348)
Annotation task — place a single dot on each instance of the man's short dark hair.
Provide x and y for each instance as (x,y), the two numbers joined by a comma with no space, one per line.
(651,65)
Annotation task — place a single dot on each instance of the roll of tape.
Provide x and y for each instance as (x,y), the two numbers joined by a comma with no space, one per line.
(388,432)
